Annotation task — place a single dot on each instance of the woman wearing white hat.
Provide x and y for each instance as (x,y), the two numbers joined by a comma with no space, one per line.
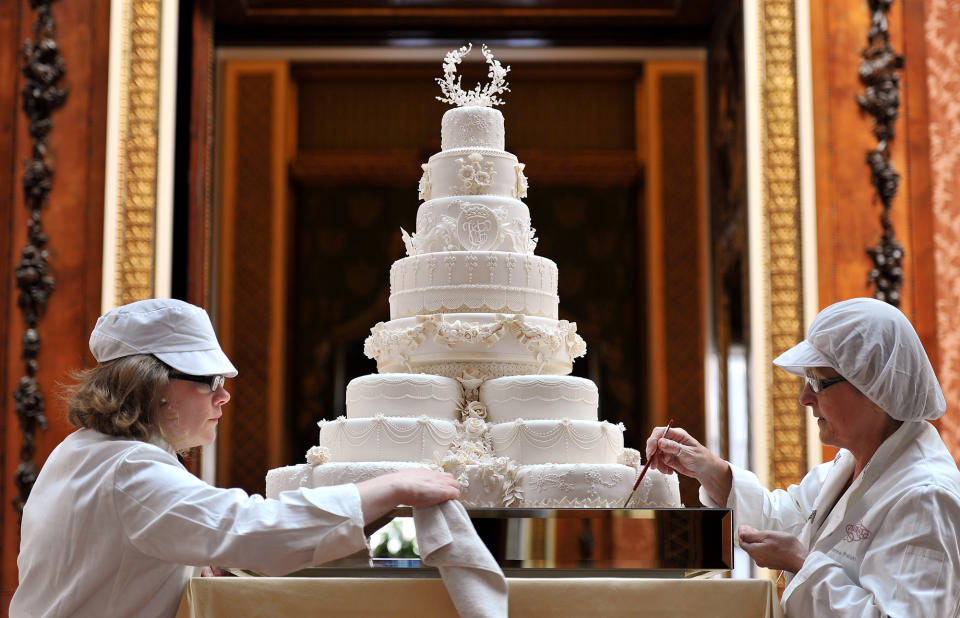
(875,532)
(114,518)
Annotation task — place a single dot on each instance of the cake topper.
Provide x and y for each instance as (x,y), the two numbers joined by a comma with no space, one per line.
(485,96)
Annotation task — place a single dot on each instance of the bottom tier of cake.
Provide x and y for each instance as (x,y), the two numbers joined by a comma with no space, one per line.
(505,484)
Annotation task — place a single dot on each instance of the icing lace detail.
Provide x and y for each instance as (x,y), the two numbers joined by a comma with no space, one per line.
(550,480)
(491,370)
(486,95)
(416,437)
(595,481)
(586,441)
(584,485)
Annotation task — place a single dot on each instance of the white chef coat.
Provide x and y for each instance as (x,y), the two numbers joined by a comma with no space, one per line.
(887,546)
(111,525)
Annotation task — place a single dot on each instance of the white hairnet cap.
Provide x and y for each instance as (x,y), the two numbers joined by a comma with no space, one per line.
(177,333)
(874,346)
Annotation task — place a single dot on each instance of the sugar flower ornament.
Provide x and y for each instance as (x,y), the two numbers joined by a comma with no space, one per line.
(630,457)
(475,409)
(474,428)
(318,455)
(484,96)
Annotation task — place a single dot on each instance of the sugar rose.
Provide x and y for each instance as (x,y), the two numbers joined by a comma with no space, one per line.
(475,409)
(474,427)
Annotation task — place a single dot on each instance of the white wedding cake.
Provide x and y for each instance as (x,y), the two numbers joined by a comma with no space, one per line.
(474,362)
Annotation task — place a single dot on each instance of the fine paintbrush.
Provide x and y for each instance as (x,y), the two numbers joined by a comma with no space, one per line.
(647,465)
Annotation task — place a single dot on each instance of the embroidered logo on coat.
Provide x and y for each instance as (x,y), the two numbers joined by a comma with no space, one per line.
(857,532)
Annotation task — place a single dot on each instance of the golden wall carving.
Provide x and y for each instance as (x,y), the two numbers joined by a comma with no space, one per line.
(139,111)
(781,222)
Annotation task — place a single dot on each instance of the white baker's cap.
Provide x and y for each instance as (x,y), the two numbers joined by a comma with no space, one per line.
(177,333)
(874,346)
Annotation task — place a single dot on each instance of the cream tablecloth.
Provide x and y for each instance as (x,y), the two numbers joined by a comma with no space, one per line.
(276,597)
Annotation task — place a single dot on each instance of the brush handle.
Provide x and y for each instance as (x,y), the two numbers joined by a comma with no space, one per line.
(645,466)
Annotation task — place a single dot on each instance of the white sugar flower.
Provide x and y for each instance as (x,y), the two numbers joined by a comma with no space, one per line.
(474,427)
(630,457)
(475,409)
(318,455)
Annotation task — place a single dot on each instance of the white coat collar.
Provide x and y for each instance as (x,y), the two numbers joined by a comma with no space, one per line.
(157,440)
(823,523)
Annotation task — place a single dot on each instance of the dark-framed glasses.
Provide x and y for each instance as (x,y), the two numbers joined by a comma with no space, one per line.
(214,382)
(818,384)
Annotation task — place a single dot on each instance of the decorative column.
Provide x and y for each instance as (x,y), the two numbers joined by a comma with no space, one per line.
(42,69)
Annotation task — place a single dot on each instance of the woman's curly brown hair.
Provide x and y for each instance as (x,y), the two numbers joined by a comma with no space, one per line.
(120,398)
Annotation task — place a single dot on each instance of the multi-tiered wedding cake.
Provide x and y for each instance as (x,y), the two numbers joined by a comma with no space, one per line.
(474,362)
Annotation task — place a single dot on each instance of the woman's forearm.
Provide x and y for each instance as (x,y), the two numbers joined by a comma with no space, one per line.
(413,487)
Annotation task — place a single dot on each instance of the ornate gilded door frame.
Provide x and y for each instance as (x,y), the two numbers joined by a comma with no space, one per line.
(138,208)
(781,230)
(138,200)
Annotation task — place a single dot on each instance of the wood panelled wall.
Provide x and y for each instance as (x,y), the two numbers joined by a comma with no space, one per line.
(73,221)
(252,268)
(676,245)
(848,214)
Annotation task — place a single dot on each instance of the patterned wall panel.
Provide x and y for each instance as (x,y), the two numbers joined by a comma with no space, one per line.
(683,293)
(943,85)
(681,245)
(249,271)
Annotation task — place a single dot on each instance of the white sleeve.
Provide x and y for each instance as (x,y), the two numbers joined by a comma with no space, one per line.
(912,567)
(171,515)
(785,510)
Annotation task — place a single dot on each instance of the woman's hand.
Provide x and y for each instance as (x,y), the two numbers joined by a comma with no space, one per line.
(412,487)
(679,451)
(771,549)
(212,571)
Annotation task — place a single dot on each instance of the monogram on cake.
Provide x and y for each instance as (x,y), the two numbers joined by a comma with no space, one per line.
(474,363)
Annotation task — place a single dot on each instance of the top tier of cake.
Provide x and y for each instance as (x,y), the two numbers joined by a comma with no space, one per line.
(472,160)
(472,127)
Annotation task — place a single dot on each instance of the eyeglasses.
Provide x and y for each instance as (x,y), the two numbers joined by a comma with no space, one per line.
(214,382)
(818,384)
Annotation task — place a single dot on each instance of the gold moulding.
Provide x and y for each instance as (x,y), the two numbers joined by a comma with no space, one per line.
(138,144)
(780,212)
